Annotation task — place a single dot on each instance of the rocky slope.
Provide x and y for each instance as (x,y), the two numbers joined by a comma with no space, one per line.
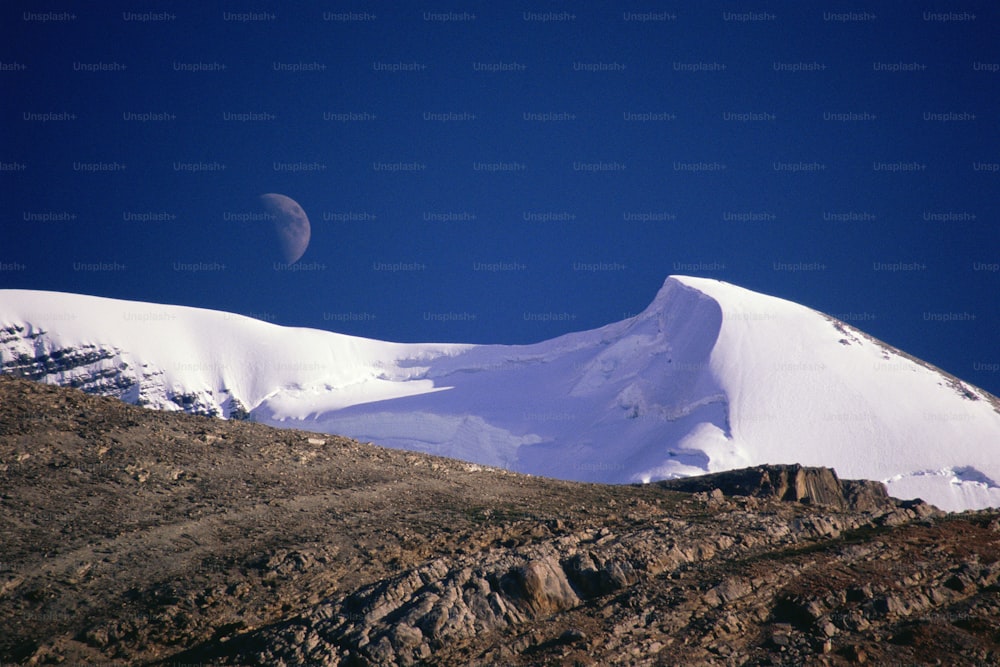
(141,537)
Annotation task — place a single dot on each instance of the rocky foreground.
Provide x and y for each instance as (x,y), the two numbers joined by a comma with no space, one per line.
(138,537)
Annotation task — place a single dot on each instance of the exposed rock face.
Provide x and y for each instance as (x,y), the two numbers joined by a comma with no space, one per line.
(817,486)
(104,371)
(27,354)
(409,618)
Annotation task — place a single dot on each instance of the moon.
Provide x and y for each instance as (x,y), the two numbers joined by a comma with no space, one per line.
(291,225)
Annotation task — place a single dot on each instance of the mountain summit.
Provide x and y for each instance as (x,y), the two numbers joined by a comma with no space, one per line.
(710,377)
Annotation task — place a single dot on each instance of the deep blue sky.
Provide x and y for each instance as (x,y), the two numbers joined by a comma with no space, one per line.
(842,218)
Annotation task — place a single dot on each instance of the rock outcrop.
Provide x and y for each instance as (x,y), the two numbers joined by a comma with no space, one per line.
(408,618)
(817,486)
(105,371)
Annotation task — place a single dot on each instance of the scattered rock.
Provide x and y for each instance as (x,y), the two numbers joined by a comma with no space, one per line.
(573,635)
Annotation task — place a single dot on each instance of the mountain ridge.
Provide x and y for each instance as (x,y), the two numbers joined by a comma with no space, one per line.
(709,377)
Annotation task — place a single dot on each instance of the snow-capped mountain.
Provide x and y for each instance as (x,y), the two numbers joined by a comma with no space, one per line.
(709,377)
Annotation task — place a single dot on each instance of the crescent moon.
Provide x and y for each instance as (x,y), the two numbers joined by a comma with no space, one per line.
(291,225)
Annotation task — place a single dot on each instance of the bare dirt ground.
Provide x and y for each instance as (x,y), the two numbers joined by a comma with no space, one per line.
(129,536)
